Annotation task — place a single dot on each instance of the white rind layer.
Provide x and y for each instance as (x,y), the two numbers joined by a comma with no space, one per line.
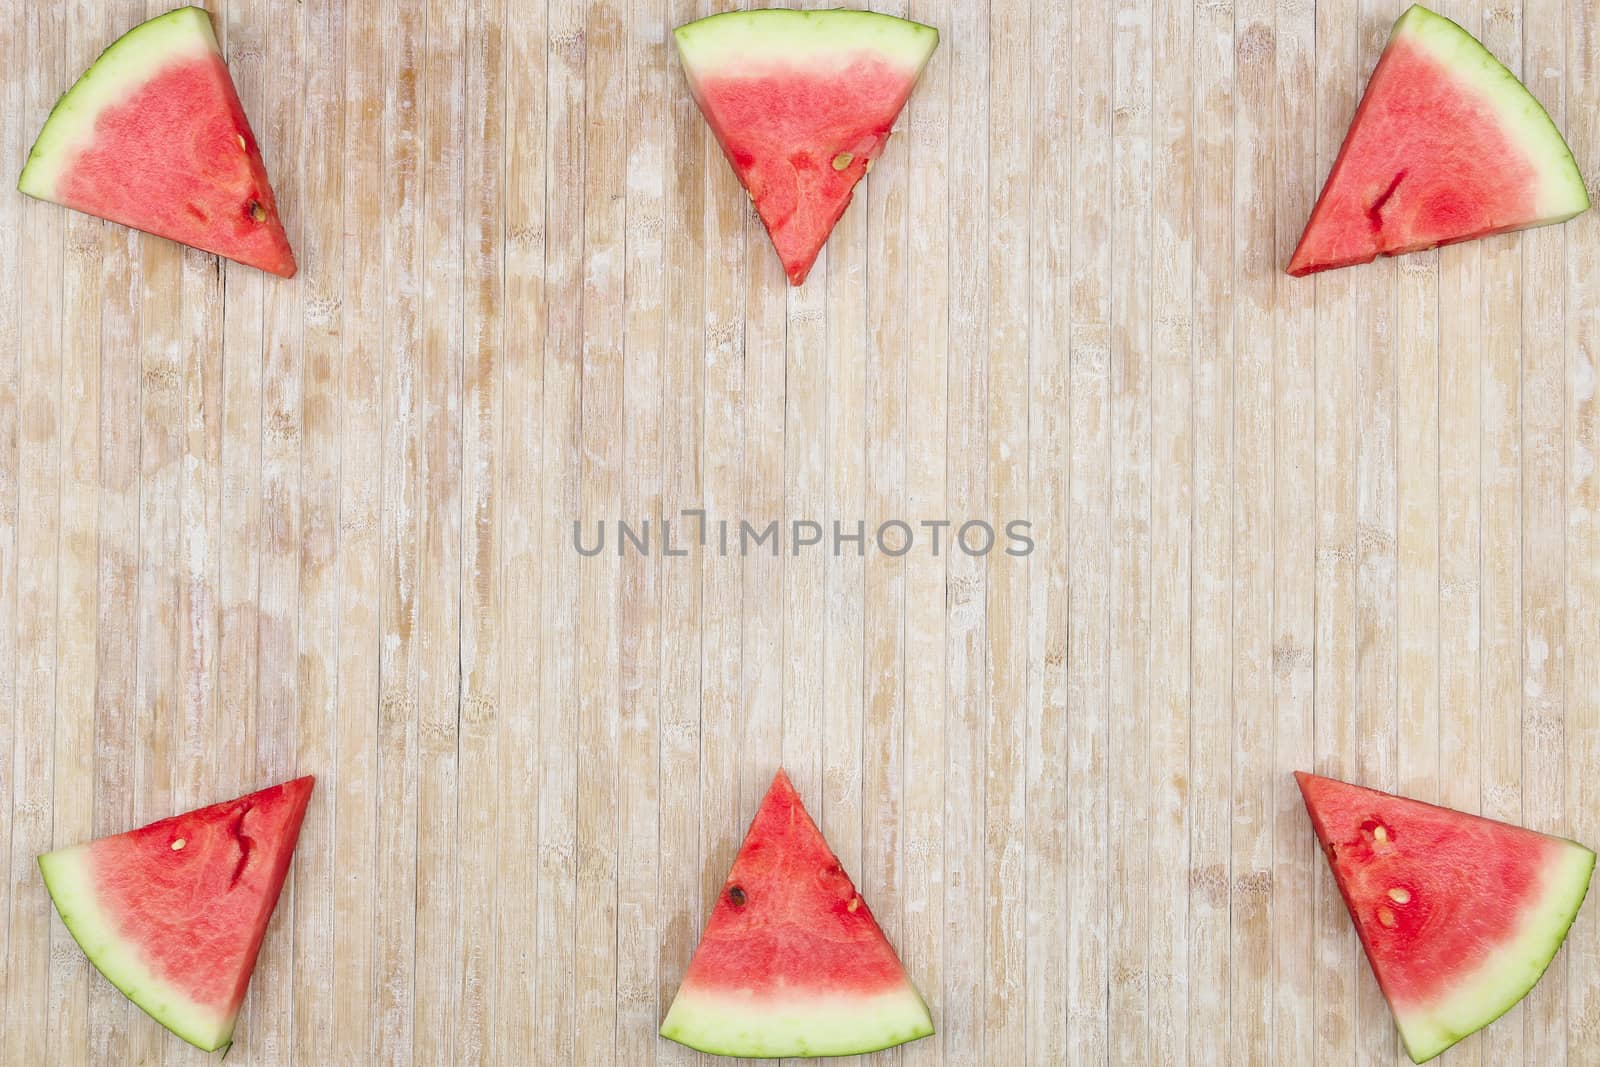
(1520,116)
(740,42)
(69,878)
(1494,988)
(130,61)
(800,1026)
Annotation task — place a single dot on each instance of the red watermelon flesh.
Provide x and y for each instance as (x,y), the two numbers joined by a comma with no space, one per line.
(153,136)
(1446,146)
(802,102)
(1459,915)
(173,914)
(792,962)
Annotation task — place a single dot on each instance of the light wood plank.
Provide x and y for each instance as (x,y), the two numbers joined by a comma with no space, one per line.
(601,412)
(1297,864)
(1048,852)
(1172,512)
(1254,774)
(1130,650)
(441,915)
(479,824)
(250,527)
(640,999)
(966,917)
(315,875)
(1000,436)
(922,942)
(520,908)
(557,1003)
(1582,496)
(17,97)
(685,905)
(1543,535)
(1211,594)
(1500,436)
(1336,657)
(31,930)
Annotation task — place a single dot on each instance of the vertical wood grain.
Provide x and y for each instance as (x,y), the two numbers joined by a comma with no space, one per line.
(315,944)
(682,612)
(523,1008)
(1004,447)
(440,913)
(640,909)
(1582,494)
(16,103)
(1086,536)
(1500,563)
(922,941)
(1054,205)
(1254,548)
(1543,641)
(1172,511)
(252,527)
(966,922)
(1130,651)
(476,810)
(600,414)
(1296,862)
(1335,657)
(362,322)
(886,418)
(1211,695)
(116,719)
(1461,707)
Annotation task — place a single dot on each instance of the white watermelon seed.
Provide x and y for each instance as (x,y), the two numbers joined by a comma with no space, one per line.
(177,846)
(855,902)
(1399,895)
(843,160)
(1386,917)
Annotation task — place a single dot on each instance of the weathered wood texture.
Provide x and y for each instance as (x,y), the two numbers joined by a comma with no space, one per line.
(251,527)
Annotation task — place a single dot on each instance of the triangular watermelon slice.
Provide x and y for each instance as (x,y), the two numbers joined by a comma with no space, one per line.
(1460,915)
(802,102)
(1446,146)
(152,136)
(792,962)
(174,913)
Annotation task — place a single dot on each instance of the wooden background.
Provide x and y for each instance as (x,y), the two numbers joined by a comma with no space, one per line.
(251,528)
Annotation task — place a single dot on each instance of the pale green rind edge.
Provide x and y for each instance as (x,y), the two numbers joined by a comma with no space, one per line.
(1563,194)
(1514,969)
(806,1027)
(779,33)
(70,883)
(128,61)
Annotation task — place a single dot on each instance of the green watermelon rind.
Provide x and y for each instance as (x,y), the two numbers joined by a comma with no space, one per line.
(807,1026)
(128,61)
(717,42)
(1513,969)
(70,882)
(1522,118)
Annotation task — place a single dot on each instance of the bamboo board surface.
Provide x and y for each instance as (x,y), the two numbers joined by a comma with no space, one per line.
(252,528)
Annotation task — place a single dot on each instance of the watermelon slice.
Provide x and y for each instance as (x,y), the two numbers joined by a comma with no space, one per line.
(792,962)
(152,136)
(174,913)
(802,102)
(1446,146)
(1460,915)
